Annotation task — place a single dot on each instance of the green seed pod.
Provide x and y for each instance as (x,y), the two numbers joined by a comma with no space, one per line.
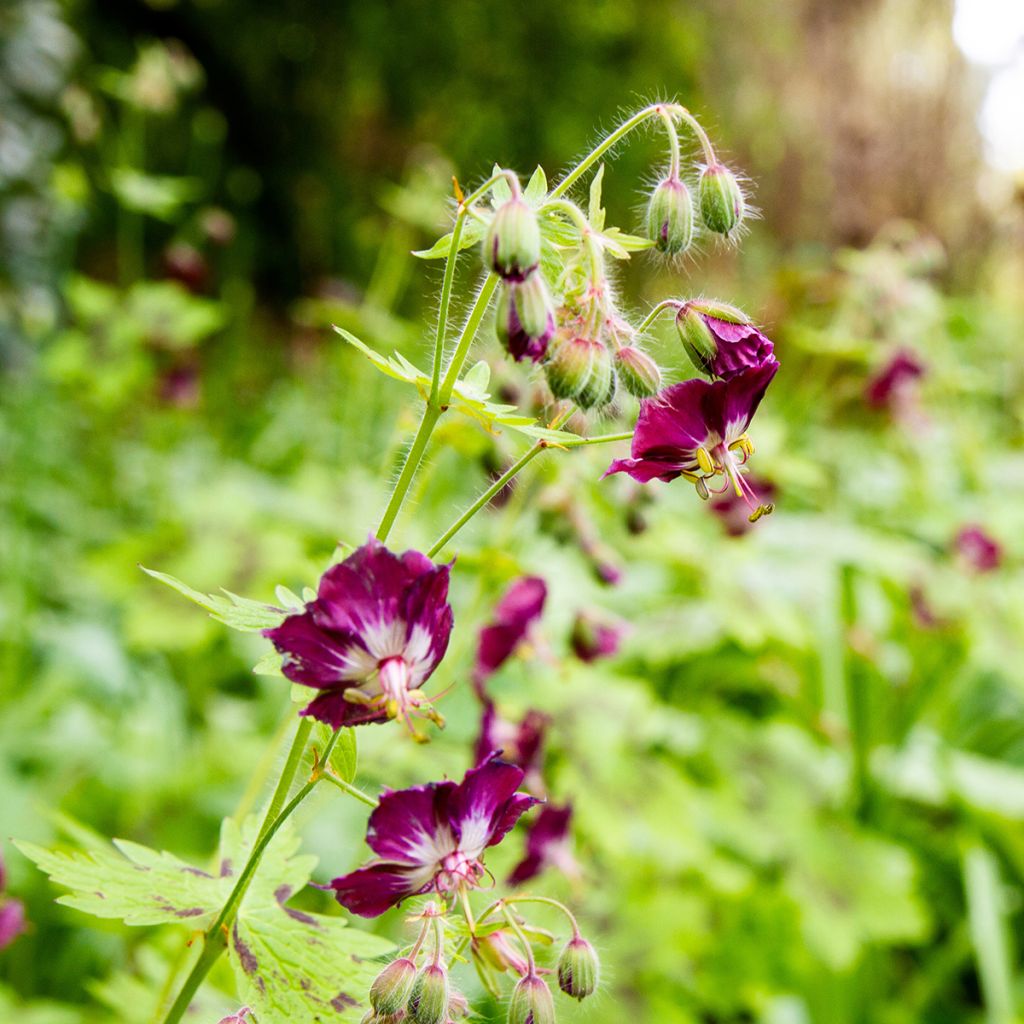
(638,372)
(721,199)
(531,1002)
(696,336)
(391,988)
(578,968)
(511,245)
(670,217)
(428,1002)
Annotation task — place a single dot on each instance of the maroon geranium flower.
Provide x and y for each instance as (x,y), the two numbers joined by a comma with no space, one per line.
(978,550)
(515,614)
(892,387)
(548,844)
(594,637)
(520,743)
(732,511)
(697,430)
(432,837)
(373,635)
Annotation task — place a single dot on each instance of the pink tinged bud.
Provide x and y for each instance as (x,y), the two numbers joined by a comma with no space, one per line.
(524,318)
(496,951)
(722,205)
(579,969)
(392,988)
(531,1002)
(670,217)
(720,339)
(428,1002)
(242,1017)
(12,921)
(638,372)
(512,241)
(581,369)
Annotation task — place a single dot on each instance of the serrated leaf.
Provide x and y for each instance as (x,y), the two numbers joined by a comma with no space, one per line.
(537,187)
(466,399)
(620,244)
(501,190)
(239,613)
(269,665)
(293,966)
(595,212)
(290,601)
(133,884)
(472,232)
(477,379)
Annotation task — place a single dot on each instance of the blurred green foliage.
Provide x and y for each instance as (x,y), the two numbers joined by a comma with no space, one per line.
(800,789)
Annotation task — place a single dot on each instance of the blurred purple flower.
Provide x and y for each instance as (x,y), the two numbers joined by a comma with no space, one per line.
(433,837)
(548,844)
(12,921)
(978,550)
(520,743)
(375,632)
(890,387)
(697,429)
(593,637)
(516,612)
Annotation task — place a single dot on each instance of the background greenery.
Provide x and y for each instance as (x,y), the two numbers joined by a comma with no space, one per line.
(800,788)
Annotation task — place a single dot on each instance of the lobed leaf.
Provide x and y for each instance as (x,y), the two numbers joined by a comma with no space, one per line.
(239,613)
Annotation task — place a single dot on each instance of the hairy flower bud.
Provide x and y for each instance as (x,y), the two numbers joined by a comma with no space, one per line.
(638,372)
(722,205)
(581,369)
(391,988)
(512,241)
(428,1002)
(696,337)
(578,968)
(720,340)
(524,318)
(531,1002)
(670,216)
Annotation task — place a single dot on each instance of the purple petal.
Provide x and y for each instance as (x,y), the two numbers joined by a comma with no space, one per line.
(740,347)
(370,891)
(521,605)
(332,709)
(729,405)
(485,805)
(410,825)
(643,471)
(545,844)
(672,421)
(312,656)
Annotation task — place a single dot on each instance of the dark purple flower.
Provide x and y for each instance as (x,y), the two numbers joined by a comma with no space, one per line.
(515,613)
(375,632)
(720,346)
(12,921)
(732,511)
(697,430)
(520,743)
(978,550)
(593,638)
(547,845)
(890,388)
(433,837)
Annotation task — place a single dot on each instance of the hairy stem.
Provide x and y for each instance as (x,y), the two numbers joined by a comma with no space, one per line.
(472,325)
(657,311)
(347,787)
(431,414)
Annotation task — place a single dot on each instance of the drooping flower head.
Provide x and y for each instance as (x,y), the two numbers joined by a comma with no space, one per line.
(520,743)
(977,549)
(548,844)
(594,637)
(433,837)
(515,614)
(892,387)
(720,339)
(697,430)
(524,319)
(373,635)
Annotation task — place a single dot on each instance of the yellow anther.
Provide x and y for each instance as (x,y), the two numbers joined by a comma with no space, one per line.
(356,696)
(691,477)
(391,708)
(761,510)
(743,444)
(707,467)
(702,489)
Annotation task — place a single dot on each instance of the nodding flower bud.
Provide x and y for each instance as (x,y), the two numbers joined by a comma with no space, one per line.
(512,241)
(391,988)
(722,205)
(524,319)
(638,372)
(531,1002)
(578,968)
(670,217)
(581,369)
(428,1002)
(495,950)
(720,339)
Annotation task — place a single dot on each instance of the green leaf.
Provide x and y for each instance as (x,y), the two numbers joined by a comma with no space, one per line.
(620,244)
(344,755)
(477,379)
(472,232)
(467,399)
(595,212)
(537,187)
(501,190)
(160,196)
(133,884)
(987,916)
(237,612)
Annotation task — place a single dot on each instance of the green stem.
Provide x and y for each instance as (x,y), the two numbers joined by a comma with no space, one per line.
(510,917)
(476,314)
(347,787)
(552,903)
(431,414)
(673,146)
(657,311)
(215,941)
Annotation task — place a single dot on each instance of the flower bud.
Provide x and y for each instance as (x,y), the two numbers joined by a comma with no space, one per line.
(721,340)
(638,372)
(428,1002)
(581,369)
(696,337)
(670,217)
(496,951)
(721,199)
(531,1002)
(524,319)
(391,988)
(512,241)
(578,968)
